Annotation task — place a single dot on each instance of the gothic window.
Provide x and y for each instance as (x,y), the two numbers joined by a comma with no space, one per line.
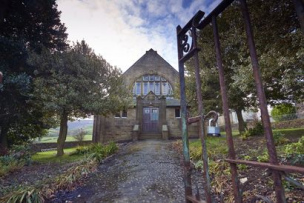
(157,88)
(138,88)
(154,83)
(145,88)
(146,78)
(151,87)
(165,88)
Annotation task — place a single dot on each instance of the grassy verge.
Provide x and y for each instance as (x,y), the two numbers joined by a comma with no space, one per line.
(291,132)
(69,138)
(50,156)
(215,146)
(289,147)
(86,161)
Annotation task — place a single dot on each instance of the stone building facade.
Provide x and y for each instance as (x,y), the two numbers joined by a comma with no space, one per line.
(155,112)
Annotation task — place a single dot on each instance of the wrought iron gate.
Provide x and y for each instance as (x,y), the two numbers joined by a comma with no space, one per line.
(186,50)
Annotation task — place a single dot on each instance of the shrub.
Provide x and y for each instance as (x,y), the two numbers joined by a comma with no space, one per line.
(16,158)
(279,138)
(264,157)
(81,150)
(80,135)
(21,153)
(295,148)
(283,112)
(255,131)
(97,151)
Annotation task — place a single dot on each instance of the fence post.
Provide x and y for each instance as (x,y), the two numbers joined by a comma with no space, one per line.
(263,104)
(233,166)
(187,172)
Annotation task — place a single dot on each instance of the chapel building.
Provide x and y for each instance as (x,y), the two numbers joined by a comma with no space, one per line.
(155,113)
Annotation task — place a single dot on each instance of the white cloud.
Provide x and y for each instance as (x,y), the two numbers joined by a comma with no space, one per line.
(123,30)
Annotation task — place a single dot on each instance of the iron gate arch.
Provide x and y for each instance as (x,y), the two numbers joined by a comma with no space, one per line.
(187,51)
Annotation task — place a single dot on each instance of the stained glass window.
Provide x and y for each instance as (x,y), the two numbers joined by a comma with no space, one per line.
(146,88)
(154,83)
(138,88)
(157,88)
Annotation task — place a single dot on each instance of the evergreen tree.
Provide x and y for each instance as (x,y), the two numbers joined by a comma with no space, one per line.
(76,83)
(25,25)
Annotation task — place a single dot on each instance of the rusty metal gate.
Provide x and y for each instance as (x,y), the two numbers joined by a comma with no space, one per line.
(187,50)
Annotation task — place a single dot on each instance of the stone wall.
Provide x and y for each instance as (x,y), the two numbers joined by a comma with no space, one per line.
(116,129)
(297,123)
(38,147)
(175,128)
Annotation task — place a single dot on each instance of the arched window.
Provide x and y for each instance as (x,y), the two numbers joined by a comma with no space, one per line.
(154,83)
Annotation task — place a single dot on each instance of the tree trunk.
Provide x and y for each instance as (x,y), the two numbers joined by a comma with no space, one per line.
(240,120)
(3,137)
(62,133)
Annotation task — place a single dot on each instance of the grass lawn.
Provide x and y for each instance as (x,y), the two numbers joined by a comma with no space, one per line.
(291,132)
(234,133)
(69,138)
(50,156)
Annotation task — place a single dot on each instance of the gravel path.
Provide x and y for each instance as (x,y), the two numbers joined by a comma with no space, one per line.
(145,171)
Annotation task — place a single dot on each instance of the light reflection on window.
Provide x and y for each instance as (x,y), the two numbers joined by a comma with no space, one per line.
(158,85)
(145,88)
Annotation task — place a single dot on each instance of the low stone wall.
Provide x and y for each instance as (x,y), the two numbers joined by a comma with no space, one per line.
(298,123)
(39,147)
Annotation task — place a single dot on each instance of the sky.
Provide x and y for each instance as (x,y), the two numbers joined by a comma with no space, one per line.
(121,31)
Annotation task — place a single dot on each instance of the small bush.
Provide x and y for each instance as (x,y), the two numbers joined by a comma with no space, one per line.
(81,150)
(279,138)
(257,130)
(21,153)
(283,112)
(16,158)
(97,151)
(264,157)
(80,135)
(199,165)
(295,148)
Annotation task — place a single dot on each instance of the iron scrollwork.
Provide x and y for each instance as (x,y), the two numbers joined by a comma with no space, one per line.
(187,42)
(187,36)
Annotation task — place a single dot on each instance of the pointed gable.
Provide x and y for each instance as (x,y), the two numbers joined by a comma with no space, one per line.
(151,63)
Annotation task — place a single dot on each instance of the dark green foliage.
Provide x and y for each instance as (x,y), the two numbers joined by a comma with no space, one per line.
(257,130)
(279,138)
(279,43)
(16,158)
(283,112)
(24,26)
(76,83)
(97,151)
(295,148)
(264,157)
(295,152)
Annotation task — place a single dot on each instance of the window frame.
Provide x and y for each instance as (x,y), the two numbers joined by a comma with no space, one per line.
(177,111)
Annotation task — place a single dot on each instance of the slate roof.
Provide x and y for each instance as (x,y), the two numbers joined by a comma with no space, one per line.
(172,102)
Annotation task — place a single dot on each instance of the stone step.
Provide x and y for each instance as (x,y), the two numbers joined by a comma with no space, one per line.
(150,136)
